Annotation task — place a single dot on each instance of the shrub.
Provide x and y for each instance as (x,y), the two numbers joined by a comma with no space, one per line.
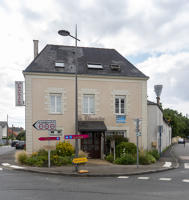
(127,159)
(60,160)
(146,158)
(37,160)
(64,149)
(21,157)
(125,148)
(42,152)
(155,154)
(109,158)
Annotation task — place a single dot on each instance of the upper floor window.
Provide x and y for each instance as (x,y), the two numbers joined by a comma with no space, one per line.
(88,104)
(120,105)
(94,66)
(59,64)
(55,103)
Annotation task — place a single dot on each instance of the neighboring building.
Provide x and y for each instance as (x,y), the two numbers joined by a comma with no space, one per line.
(3,131)
(155,121)
(111,94)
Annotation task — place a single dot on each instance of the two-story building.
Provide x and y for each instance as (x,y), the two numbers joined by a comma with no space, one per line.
(111,94)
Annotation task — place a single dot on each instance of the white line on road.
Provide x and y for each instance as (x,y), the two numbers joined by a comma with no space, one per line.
(165,179)
(143,178)
(5,164)
(167,164)
(1,169)
(186,165)
(16,167)
(122,177)
(185,180)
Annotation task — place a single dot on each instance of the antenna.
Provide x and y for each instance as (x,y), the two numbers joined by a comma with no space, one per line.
(158,90)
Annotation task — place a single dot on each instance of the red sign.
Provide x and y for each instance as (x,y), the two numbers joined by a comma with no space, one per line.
(48,138)
(76,136)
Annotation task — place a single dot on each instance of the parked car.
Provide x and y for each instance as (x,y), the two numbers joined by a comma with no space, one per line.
(14,142)
(20,145)
(181,141)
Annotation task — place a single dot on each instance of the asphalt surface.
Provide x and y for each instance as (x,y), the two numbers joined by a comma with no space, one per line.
(164,185)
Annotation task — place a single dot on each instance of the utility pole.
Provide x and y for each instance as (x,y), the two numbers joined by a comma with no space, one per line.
(138,133)
(7,129)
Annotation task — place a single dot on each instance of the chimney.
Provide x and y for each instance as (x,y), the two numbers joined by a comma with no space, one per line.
(35,44)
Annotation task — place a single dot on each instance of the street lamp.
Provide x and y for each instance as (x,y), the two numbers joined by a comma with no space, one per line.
(67,33)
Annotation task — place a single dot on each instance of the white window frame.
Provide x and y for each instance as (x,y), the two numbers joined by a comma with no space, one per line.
(120,97)
(94,66)
(56,111)
(88,110)
(59,64)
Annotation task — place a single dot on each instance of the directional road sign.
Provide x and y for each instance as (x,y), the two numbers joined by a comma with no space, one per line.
(45,125)
(48,138)
(55,133)
(76,136)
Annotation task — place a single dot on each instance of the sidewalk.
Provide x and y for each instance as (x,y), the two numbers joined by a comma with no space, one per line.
(97,167)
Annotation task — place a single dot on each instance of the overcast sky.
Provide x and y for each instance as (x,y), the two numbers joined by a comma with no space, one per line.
(152,34)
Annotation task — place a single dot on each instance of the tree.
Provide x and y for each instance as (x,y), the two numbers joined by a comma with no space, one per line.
(21,135)
(178,122)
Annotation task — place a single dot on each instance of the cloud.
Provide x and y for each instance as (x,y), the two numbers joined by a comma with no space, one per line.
(172,71)
(154,34)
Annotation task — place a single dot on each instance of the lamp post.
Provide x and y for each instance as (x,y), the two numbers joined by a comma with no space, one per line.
(67,33)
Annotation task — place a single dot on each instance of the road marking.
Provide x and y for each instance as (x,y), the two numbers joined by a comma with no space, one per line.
(1,169)
(122,177)
(165,179)
(16,167)
(5,164)
(186,165)
(143,178)
(185,180)
(167,164)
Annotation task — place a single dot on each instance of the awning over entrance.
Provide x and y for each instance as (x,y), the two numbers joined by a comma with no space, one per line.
(97,126)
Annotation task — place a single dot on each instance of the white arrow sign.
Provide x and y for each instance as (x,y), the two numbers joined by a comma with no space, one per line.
(45,125)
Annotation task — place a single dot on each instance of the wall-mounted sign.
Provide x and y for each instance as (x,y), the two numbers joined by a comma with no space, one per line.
(120,119)
(45,125)
(19,93)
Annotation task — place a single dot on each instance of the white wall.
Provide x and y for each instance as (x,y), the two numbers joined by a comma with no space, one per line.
(155,119)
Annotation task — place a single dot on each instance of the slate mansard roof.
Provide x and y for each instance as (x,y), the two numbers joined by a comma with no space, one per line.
(45,62)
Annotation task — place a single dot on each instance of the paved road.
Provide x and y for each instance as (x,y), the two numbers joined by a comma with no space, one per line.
(172,184)
(6,149)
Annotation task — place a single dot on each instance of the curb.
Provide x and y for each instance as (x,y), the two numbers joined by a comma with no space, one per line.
(74,174)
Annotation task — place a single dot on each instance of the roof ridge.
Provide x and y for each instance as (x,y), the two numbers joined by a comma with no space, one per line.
(80,47)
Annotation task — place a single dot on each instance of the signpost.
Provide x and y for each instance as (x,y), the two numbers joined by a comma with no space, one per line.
(76,136)
(138,133)
(49,125)
(45,125)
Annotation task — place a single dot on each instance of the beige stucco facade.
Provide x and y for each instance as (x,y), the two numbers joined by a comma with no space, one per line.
(39,87)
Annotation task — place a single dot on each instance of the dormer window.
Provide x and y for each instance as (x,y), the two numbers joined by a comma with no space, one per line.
(59,64)
(115,67)
(94,66)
